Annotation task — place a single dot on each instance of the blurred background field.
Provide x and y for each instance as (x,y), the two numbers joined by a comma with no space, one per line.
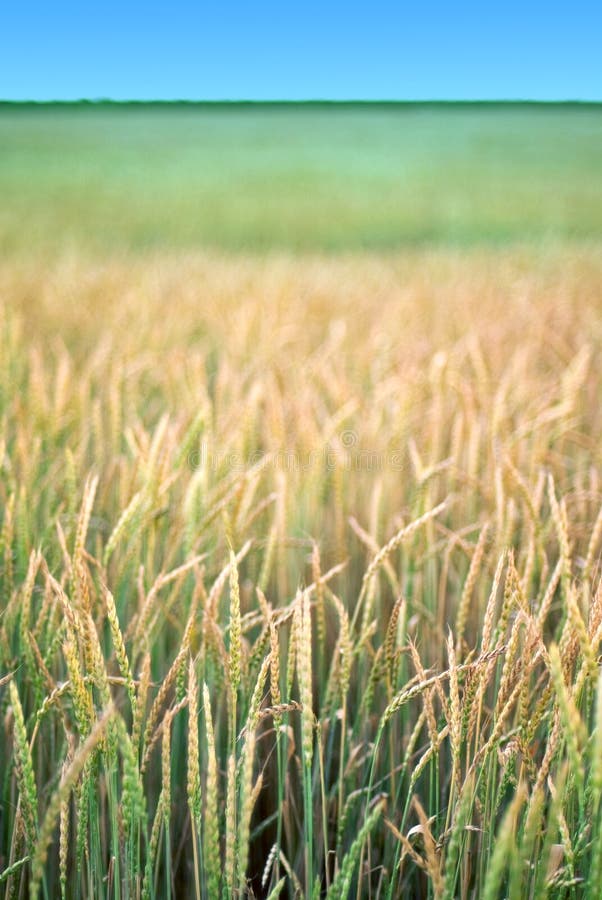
(301,178)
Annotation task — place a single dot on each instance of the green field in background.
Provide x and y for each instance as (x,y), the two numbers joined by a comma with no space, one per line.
(297,177)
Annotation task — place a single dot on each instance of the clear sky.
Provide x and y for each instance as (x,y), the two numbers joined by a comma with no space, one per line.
(300,50)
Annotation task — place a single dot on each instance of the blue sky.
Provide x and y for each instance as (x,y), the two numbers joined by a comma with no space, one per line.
(300,50)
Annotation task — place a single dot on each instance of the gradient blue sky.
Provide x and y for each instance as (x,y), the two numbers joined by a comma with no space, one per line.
(303,50)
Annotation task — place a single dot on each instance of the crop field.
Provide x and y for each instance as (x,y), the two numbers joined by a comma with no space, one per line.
(312,178)
(301,503)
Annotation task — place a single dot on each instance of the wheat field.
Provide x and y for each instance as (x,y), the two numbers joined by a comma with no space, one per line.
(300,575)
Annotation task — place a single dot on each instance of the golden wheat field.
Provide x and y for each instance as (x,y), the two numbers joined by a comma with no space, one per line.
(300,572)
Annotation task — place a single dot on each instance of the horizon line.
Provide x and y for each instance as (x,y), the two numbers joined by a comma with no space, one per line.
(312,101)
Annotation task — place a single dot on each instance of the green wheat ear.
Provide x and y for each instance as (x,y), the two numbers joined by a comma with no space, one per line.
(28,795)
(211,824)
(235,629)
